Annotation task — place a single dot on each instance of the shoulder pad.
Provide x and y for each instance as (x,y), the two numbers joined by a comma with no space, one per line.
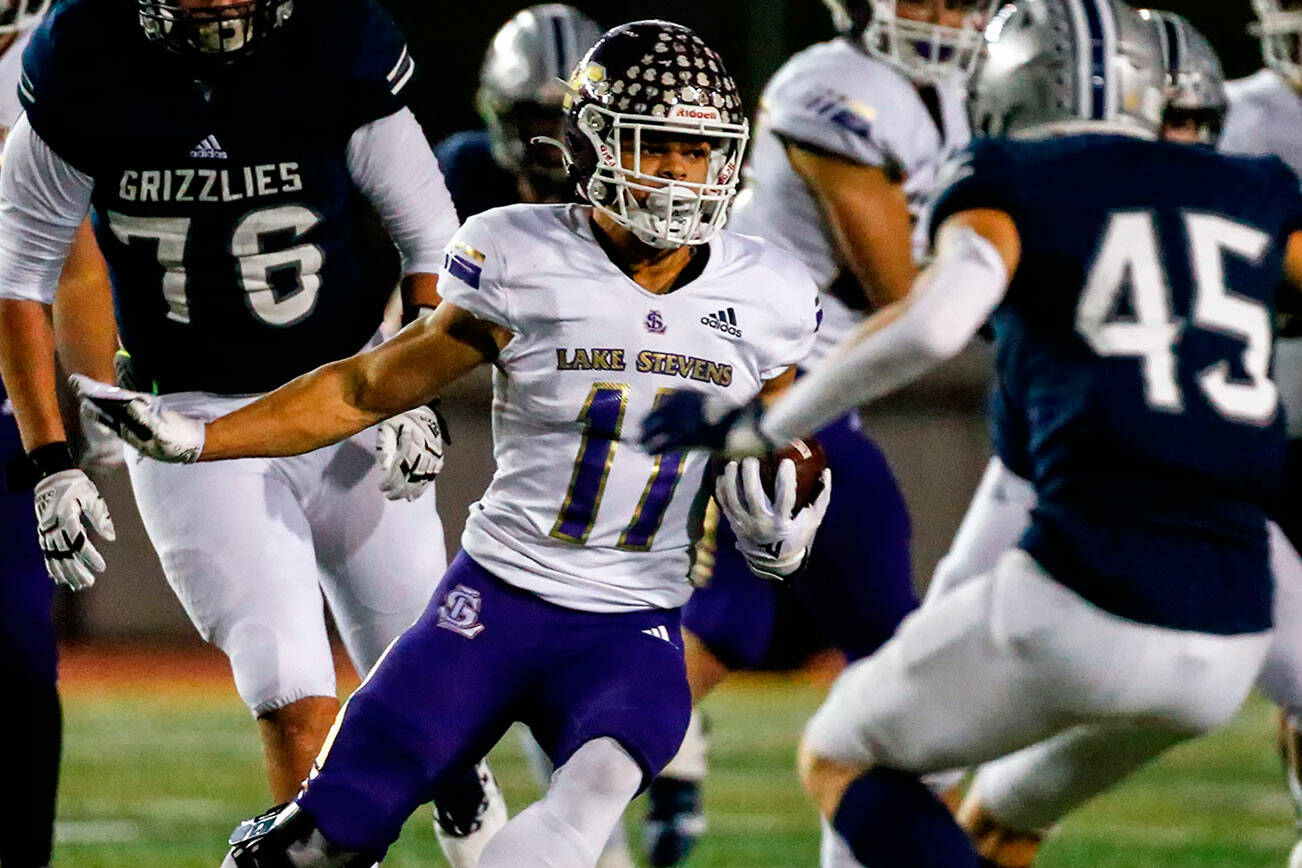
(836,98)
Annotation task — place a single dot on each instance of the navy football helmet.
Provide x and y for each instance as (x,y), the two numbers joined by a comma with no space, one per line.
(654,77)
(923,50)
(220,32)
(18,15)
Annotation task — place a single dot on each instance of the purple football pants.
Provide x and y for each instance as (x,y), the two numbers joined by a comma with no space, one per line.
(483,655)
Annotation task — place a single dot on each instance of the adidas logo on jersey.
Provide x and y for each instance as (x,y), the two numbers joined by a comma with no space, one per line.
(208,149)
(724,321)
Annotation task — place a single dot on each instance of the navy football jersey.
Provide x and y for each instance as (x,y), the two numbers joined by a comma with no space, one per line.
(240,251)
(475,181)
(1134,346)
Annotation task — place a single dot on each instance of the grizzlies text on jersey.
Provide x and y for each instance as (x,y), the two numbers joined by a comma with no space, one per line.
(1136,339)
(241,251)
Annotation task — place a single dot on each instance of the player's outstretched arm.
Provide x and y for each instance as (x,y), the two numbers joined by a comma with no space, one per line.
(322,407)
(867,213)
(976,253)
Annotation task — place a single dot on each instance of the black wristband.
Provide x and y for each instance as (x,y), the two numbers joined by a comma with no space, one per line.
(22,472)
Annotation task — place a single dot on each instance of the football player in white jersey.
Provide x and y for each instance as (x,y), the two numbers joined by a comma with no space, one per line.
(1265,117)
(562,610)
(243,250)
(850,136)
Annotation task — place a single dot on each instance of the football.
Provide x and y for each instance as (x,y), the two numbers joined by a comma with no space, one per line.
(810,461)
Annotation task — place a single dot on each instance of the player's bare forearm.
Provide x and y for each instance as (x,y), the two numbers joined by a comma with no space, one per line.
(27,365)
(337,400)
(85,330)
(868,215)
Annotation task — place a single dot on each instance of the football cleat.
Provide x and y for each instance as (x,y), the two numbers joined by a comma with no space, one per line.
(468,811)
(674,821)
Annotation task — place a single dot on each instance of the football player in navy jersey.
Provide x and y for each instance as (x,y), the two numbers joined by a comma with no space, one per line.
(521,89)
(1134,338)
(250,168)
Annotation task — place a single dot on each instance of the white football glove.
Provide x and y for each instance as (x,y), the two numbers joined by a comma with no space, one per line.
(101,447)
(410,449)
(773,542)
(139,419)
(68,506)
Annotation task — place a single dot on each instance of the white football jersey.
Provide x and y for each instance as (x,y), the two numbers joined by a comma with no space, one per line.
(835,98)
(1265,118)
(576,512)
(11,67)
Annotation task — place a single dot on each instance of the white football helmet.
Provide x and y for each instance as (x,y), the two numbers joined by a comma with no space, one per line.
(923,50)
(19,15)
(1280,29)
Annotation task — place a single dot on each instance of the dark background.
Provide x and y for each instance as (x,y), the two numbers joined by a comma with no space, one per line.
(448,40)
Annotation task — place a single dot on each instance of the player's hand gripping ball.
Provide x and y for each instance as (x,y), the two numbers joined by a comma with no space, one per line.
(775,506)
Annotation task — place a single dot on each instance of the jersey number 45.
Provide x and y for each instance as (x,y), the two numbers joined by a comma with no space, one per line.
(1130,261)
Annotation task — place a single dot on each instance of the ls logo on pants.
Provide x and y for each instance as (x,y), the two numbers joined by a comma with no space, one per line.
(460,612)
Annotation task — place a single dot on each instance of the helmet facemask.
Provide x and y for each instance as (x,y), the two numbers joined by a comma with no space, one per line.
(19,15)
(219,32)
(1280,29)
(925,50)
(662,212)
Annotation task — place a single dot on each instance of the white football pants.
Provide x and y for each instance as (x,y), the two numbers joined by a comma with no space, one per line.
(999,513)
(251,546)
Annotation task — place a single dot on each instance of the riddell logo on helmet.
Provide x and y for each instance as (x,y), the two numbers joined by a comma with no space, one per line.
(694,113)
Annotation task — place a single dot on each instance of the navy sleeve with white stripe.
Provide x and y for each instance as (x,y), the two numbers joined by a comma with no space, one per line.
(382,66)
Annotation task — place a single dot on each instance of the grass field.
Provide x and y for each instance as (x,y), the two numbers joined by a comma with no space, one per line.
(161,762)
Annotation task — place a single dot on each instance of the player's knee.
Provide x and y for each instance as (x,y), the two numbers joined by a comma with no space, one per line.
(602,769)
(825,779)
(287,837)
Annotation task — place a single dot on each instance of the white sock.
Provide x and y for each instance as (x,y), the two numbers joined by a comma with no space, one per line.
(568,827)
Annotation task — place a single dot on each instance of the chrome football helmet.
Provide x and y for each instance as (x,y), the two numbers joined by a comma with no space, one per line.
(218,32)
(654,78)
(1060,66)
(19,15)
(1195,78)
(923,50)
(1279,26)
(522,84)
